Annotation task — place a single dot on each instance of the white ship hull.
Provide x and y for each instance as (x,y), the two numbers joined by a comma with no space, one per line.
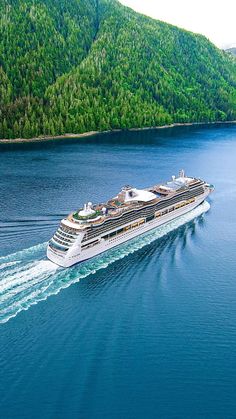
(76,254)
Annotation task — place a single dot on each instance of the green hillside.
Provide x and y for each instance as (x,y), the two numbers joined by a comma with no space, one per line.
(82,65)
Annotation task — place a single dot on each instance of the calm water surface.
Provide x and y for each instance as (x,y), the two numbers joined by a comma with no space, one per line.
(147,330)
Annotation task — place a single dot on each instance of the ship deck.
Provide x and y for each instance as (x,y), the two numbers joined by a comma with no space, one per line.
(116,208)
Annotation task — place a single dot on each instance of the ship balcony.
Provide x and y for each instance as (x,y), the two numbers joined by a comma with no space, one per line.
(60,242)
(67,240)
(57,247)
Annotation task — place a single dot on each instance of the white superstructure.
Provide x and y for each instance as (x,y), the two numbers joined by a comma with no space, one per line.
(97,228)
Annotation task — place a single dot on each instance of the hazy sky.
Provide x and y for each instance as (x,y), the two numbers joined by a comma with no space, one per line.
(215,19)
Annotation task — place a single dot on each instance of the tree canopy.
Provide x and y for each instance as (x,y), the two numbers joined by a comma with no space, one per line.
(81,65)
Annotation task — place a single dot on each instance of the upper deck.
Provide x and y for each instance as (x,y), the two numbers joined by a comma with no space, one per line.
(127,200)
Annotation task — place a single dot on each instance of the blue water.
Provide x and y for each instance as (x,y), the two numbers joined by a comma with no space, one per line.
(147,330)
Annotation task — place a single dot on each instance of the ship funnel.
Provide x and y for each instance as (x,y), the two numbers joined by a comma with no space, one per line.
(181,173)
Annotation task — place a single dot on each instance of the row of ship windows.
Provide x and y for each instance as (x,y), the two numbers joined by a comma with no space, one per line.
(113,235)
(126,218)
(124,229)
(63,238)
(67,231)
(177,206)
(54,246)
(199,183)
(187,195)
(60,241)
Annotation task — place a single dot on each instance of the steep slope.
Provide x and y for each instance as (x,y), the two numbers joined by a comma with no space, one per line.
(42,39)
(97,65)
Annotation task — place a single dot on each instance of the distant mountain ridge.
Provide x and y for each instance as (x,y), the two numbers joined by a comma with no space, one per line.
(72,67)
(231,50)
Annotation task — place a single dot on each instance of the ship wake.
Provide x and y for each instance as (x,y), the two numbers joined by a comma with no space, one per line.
(26,277)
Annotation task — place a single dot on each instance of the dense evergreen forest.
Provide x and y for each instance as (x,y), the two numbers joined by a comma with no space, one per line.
(71,66)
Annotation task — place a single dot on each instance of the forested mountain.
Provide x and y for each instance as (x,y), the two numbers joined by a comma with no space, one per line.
(70,66)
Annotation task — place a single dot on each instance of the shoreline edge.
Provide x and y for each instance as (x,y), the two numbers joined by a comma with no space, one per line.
(93,133)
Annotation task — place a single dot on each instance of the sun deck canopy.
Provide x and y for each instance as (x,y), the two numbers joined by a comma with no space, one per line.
(129,194)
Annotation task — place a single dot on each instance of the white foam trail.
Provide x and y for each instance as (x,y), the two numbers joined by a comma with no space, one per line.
(37,271)
(8,264)
(23,254)
(37,280)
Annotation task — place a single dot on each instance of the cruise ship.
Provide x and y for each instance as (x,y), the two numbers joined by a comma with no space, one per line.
(94,229)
